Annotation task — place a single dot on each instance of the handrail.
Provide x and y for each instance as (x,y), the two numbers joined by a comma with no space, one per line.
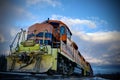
(19,35)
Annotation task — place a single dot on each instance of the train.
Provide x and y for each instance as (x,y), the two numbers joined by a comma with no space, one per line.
(46,47)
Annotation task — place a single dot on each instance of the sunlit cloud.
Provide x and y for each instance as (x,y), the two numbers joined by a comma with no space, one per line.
(114,47)
(112,58)
(13,32)
(21,14)
(99,37)
(104,59)
(98,21)
(53,3)
(98,61)
(71,21)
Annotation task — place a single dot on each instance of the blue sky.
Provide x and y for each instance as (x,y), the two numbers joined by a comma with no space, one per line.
(95,25)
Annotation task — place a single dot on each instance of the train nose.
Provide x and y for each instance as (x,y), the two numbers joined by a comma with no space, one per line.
(43,63)
(23,57)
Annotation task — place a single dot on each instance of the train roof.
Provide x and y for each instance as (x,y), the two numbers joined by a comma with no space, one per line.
(36,27)
(49,21)
(57,21)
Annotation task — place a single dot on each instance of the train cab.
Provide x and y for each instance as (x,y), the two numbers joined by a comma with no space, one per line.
(41,33)
(49,32)
(60,31)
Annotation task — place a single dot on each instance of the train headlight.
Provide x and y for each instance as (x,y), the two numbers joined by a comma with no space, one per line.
(41,47)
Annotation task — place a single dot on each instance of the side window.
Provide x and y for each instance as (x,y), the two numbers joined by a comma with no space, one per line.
(62,30)
(68,34)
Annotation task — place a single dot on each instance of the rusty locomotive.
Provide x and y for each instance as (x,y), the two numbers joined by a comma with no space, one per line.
(49,48)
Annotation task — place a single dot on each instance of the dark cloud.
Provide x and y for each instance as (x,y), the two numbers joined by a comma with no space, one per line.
(5,24)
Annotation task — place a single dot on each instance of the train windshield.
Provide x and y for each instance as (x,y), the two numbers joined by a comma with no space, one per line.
(45,38)
(47,35)
(62,30)
(41,37)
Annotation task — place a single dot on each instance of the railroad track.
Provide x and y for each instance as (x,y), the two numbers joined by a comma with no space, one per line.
(28,76)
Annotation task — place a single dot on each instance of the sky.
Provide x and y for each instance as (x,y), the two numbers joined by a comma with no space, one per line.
(95,26)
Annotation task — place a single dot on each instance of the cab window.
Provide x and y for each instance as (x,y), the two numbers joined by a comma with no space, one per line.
(62,30)
(68,34)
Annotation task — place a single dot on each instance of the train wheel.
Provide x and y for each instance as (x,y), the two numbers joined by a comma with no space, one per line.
(82,72)
(62,67)
(65,69)
(50,72)
(71,70)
